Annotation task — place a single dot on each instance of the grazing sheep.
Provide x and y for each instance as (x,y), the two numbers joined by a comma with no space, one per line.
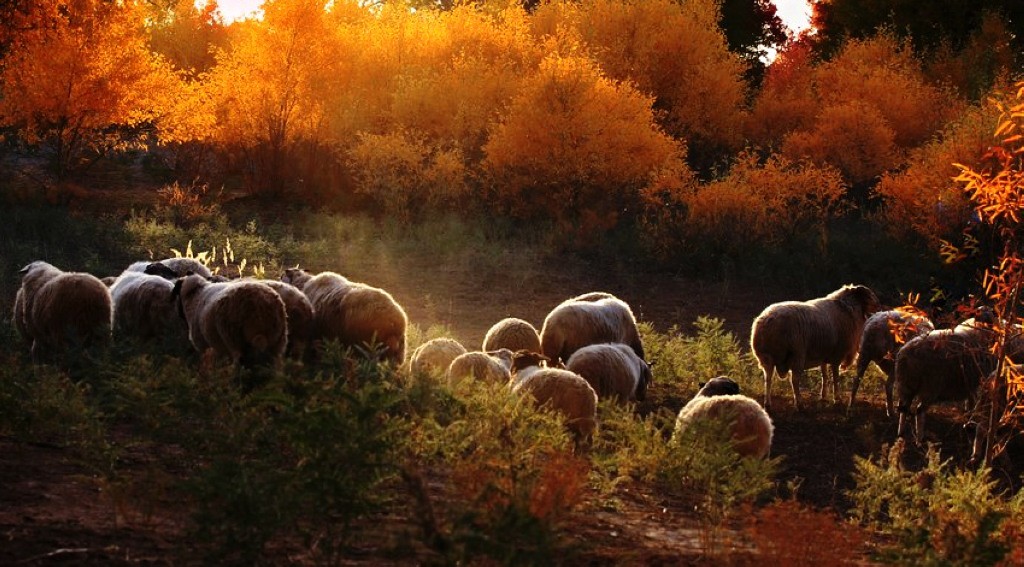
(142,308)
(172,268)
(794,336)
(300,317)
(884,333)
(718,386)
(353,313)
(513,334)
(562,390)
(613,370)
(592,318)
(57,309)
(435,356)
(750,426)
(941,366)
(244,321)
(494,366)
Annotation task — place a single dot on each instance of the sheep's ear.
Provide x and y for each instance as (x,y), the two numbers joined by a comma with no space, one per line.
(24,270)
(701,384)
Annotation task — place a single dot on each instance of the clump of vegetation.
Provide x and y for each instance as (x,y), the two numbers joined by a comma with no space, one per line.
(936,515)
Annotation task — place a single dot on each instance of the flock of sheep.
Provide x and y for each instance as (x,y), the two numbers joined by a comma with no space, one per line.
(588,347)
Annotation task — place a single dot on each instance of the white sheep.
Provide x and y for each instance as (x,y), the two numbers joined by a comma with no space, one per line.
(57,309)
(561,390)
(750,426)
(355,314)
(244,321)
(946,365)
(884,334)
(591,318)
(514,334)
(797,335)
(613,370)
(435,355)
(143,308)
(494,366)
(300,317)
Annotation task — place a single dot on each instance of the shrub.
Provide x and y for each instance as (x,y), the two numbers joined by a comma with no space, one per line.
(513,476)
(699,465)
(922,200)
(790,533)
(407,176)
(937,515)
(575,147)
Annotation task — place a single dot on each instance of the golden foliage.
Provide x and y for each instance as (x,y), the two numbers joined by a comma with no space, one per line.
(860,112)
(404,174)
(575,146)
(770,202)
(672,51)
(853,136)
(78,76)
(923,200)
(786,102)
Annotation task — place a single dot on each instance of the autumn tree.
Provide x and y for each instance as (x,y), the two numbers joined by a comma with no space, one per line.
(922,201)
(187,36)
(268,89)
(927,24)
(80,79)
(675,52)
(861,111)
(575,147)
(997,192)
(775,201)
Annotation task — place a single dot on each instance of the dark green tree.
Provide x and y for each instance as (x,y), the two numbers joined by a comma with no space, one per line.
(752,28)
(928,25)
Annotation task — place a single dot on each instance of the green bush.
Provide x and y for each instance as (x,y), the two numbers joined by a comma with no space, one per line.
(699,465)
(681,362)
(513,477)
(938,515)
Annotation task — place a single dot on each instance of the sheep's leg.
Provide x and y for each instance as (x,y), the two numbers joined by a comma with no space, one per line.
(824,380)
(861,369)
(769,370)
(890,378)
(796,376)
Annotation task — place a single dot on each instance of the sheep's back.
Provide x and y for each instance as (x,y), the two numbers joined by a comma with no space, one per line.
(72,305)
(370,315)
(750,426)
(435,355)
(612,372)
(478,365)
(814,329)
(142,305)
(247,318)
(565,392)
(576,324)
(941,366)
(514,334)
